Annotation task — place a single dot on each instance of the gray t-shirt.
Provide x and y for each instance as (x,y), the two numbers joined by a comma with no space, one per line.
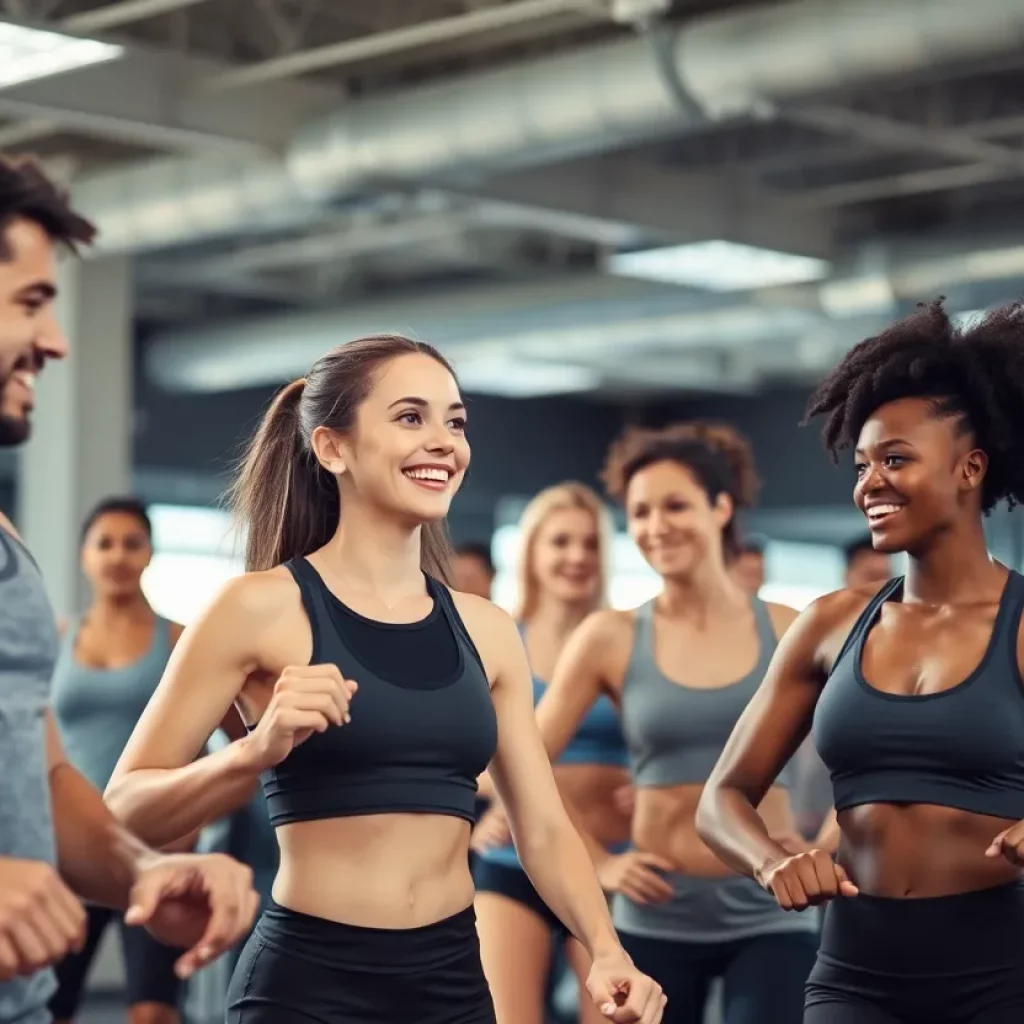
(28,652)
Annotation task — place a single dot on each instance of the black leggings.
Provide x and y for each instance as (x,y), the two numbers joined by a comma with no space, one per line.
(297,969)
(947,960)
(762,977)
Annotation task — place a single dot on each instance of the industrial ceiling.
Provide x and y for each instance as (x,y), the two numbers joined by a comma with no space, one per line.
(292,173)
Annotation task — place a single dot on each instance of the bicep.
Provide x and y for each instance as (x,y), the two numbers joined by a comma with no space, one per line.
(777,719)
(575,686)
(204,674)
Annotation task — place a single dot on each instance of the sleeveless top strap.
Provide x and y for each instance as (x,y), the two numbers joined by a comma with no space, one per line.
(443,596)
(1007,624)
(764,625)
(867,617)
(311,588)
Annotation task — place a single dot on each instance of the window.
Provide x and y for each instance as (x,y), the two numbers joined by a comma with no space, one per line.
(196,553)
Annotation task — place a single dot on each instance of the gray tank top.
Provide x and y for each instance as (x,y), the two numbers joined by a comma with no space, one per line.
(675,733)
(97,709)
(28,652)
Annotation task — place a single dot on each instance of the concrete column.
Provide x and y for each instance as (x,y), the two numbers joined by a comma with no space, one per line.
(81,445)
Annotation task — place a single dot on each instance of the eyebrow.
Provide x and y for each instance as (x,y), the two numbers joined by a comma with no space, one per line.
(893,442)
(422,403)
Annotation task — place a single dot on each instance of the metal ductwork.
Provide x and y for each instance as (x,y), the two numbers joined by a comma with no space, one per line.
(586,319)
(585,101)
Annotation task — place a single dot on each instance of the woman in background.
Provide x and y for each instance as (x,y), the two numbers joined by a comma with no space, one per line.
(110,662)
(681,669)
(563,563)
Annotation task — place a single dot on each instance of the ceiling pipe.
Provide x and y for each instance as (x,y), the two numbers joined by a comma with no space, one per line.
(581,102)
(582,317)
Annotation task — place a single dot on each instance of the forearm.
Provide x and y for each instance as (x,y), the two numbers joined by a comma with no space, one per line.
(562,871)
(96,856)
(729,823)
(164,805)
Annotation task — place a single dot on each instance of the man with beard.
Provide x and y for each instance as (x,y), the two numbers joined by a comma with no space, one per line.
(59,844)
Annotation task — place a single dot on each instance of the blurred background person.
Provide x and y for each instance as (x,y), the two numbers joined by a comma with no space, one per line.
(866,567)
(563,571)
(473,570)
(111,659)
(682,669)
(747,565)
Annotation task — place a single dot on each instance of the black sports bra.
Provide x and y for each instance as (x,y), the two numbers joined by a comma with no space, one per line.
(423,724)
(962,747)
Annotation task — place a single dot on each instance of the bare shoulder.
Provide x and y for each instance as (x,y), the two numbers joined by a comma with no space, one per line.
(607,629)
(601,648)
(823,626)
(255,604)
(256,620)
(259,595)
(492,630)
(782,616)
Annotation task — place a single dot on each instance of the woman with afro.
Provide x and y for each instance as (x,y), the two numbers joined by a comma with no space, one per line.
(680,670)
(912,693)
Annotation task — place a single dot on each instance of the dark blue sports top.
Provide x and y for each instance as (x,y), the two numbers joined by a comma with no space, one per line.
(963,747)
(423,723)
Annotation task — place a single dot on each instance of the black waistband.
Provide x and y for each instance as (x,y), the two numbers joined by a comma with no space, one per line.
(941,935)
(360,948)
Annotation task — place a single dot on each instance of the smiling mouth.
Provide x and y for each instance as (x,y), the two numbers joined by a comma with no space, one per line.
(431,478)
(878,514)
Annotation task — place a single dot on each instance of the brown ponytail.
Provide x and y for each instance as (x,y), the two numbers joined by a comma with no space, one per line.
(282,496)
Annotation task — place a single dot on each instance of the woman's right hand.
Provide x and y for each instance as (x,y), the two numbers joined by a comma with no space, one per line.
(635,875)
(805,880)
(307,699)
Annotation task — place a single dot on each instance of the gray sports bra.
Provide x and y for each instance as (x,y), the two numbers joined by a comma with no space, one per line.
(676,733)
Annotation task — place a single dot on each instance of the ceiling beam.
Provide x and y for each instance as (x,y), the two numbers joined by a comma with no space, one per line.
(404,40)
(619,203)
(123,12)
(149,98)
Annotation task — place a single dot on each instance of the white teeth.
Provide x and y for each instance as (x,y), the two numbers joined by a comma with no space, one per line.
(28,379)
(882,510)
(440,475)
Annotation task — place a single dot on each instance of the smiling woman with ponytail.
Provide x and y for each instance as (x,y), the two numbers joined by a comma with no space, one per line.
(280,462)
(374,698)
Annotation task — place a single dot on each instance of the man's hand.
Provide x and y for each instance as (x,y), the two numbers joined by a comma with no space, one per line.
(41,919)
(202,904)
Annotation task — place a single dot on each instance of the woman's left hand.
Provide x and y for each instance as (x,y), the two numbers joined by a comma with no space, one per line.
(1009,844)
(622,993)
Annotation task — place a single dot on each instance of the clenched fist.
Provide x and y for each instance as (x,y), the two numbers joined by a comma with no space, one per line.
(41,919)
(806,880)
(307,699)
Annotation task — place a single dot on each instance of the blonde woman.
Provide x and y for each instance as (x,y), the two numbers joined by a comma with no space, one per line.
(562,579)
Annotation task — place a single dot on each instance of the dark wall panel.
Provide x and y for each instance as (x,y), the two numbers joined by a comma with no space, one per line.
(518,446)
(792,462)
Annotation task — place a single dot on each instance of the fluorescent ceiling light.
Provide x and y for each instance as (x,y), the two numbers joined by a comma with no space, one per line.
(514,379)
(719,266)
(30,53)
